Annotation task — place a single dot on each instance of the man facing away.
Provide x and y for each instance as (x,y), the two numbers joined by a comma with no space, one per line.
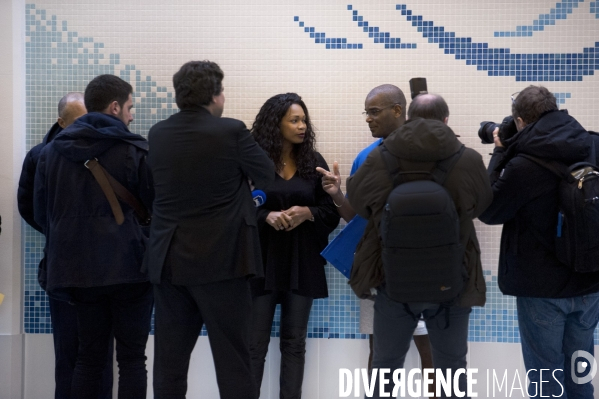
(418,144)
(62,314)
(385,111)
(91,260)
(558,308)
(204,240)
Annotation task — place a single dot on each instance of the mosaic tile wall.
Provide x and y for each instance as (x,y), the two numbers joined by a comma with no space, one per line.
(332,53)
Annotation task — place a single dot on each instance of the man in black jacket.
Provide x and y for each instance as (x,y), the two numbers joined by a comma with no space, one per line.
(558,308)
(90,258)
(62,314)
(418,145)
(204,238)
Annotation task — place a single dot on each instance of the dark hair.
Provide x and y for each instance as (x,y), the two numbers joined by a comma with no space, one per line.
(196,83)
(531,103)
(267,133)
(103,90)
(428,106)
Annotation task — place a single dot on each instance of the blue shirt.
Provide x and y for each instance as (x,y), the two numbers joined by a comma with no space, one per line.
(363,155)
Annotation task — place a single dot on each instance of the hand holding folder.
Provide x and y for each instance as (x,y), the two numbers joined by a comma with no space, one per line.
(340,251)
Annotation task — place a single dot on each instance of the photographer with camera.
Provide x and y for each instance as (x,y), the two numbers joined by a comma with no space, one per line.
(558,306)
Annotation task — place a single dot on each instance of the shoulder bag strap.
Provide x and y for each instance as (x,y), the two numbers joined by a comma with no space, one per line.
(125,195)
(99,173)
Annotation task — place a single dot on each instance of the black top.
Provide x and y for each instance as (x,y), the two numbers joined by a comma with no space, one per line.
(292,259)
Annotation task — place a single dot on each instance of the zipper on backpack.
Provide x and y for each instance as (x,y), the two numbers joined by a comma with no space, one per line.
(560,222)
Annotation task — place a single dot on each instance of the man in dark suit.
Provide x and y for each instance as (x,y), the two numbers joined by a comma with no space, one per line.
(204,240)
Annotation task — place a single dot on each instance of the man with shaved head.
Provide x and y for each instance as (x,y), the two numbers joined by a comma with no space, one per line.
(62,313)
(419,145)
(385,112)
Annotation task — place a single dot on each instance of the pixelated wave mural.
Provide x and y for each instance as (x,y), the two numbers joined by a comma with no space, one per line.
(541,67)
(58,60)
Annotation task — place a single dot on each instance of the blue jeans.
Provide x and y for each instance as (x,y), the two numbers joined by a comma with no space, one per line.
(551,330)
(126,310)
(394,327)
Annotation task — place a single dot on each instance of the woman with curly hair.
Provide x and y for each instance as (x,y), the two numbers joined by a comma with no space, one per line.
(294,223)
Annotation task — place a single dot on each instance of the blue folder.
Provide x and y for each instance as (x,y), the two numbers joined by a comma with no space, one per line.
(340,251)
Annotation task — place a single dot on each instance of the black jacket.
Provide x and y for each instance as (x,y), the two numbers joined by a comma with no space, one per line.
(84,245)
(204,215)
(27,179)
(525,201)
(419,144)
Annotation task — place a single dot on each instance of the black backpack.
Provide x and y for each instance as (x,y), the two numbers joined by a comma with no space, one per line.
(577,222)
(422,256)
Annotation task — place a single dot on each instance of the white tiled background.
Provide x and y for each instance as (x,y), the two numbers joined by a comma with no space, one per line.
(264,51)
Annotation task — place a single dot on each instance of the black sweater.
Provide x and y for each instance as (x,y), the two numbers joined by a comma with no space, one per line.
(292,260)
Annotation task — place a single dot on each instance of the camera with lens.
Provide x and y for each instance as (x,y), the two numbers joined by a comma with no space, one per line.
(507,129)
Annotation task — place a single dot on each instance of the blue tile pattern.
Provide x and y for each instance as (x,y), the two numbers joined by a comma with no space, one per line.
(334,43)
(595,8)
(378,36)
(562,97)
(501,62)
(539,67)
(561,11)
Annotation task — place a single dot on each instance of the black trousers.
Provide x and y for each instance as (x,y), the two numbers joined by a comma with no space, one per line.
(66,346)
(126,310)
(295,312)
(181,311)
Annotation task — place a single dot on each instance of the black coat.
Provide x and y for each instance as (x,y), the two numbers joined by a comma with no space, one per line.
(204,212)
(27,179)
(525,201)
(419,144)
(84,245)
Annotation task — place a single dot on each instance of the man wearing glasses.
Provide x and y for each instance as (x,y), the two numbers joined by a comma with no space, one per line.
(385,112)
(558,308)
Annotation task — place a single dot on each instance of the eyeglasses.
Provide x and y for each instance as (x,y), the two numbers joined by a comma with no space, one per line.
(374,112)
(513,97)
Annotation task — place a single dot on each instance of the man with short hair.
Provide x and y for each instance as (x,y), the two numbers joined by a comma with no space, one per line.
(91,259)
(385,112)
(62,314)
(418,145)
(204,241)
(558,308)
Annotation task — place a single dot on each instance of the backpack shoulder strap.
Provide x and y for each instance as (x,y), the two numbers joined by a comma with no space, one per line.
(556,168)
(392,164)
(444,166)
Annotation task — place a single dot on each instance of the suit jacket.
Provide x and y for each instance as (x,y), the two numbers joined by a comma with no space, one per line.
(203,211)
